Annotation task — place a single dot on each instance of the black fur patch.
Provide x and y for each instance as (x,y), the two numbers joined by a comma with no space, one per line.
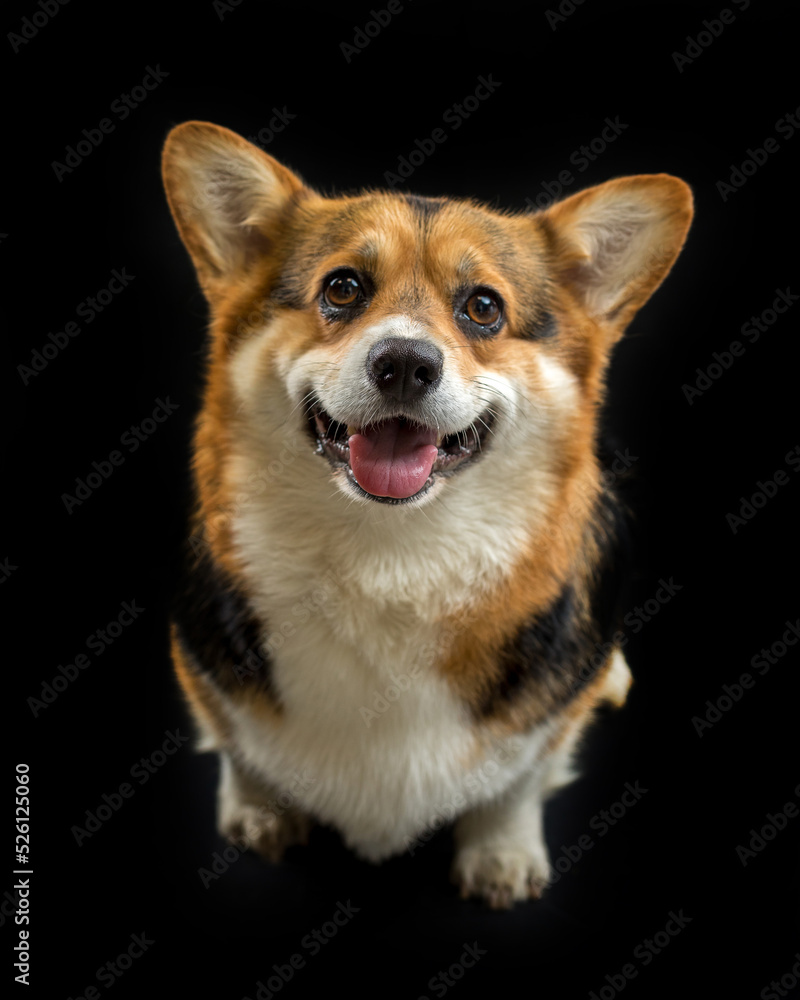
(544,653)
(544,327)
(561,650)
(425,208)
(218,629)
(290,290)
(610,591)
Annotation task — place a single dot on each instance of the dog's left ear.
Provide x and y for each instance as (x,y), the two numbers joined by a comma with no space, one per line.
(615,243)
(227,197)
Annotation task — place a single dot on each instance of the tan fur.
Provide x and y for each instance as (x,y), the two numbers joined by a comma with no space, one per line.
(201,696)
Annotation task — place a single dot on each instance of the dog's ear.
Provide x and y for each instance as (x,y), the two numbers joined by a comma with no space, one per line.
(226,197)
(615,243)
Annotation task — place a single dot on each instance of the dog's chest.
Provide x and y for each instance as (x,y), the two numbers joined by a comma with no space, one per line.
(380,749)
(372,739)
(357,622)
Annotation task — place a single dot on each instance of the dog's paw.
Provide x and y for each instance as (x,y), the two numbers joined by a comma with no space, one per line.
(259,829)
(501,875)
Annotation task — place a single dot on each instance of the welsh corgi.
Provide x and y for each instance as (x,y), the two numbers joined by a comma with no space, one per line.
(404,550)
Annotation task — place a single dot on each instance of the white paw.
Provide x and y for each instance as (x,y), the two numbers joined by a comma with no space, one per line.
(618,681)
(502,875)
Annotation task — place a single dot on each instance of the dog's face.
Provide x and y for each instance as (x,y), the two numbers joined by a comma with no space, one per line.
(410,340)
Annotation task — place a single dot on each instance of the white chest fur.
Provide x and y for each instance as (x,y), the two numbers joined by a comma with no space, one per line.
(384,747)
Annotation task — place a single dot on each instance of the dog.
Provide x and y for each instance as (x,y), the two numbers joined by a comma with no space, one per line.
(404,552)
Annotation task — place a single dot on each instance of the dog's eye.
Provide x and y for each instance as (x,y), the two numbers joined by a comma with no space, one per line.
(483,309)
(342,290)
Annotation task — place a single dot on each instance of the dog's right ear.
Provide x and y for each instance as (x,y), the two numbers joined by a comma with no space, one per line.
(226,197)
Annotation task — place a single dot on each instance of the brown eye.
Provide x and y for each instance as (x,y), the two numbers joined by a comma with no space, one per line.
(342,290)
(483,309)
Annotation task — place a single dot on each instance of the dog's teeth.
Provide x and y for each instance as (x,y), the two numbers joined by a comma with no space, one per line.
(439,440)
(351,430)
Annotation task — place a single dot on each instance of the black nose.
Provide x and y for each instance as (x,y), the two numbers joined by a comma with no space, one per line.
(404,369)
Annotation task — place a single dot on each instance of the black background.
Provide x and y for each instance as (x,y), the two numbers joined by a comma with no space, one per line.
(673,850)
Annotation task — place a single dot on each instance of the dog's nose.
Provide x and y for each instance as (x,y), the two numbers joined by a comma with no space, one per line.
(404,369)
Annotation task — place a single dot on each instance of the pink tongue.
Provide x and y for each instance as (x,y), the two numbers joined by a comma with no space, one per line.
(393,459)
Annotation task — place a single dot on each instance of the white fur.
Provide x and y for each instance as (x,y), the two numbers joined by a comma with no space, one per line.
(619,680)
(381,785)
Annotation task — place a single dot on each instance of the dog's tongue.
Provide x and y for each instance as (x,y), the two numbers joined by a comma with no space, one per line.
(393,459)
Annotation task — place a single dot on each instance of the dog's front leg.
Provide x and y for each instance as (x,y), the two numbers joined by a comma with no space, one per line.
(500,849)
(253,816)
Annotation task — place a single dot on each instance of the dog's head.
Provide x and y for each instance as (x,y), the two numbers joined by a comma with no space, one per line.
(406,340)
